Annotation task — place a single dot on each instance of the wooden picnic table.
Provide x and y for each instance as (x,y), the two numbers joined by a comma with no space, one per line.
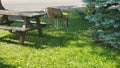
(27,24)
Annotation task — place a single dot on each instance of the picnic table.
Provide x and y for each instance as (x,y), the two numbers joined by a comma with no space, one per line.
(27,23)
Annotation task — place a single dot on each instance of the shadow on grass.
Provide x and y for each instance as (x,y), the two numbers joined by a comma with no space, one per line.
(2,65)
(60,38)
(32,39)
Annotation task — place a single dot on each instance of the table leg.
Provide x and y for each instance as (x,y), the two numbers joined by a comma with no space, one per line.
(7,22)
(38,26)
(27,23)
(22,36)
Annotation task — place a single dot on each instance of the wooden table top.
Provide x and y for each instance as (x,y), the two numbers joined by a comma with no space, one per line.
(18,13)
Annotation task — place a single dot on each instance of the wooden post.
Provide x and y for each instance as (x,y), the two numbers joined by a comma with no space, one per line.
(22,37)
(38,26)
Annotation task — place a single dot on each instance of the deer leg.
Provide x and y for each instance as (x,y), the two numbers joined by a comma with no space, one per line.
(49,21)
(65,21)
(57,23)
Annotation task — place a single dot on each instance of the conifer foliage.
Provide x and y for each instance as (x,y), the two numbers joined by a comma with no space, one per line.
(106,16)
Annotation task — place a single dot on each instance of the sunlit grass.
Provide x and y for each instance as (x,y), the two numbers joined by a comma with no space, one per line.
(58,48)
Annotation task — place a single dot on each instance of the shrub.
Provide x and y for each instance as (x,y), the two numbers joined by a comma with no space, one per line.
(106,16)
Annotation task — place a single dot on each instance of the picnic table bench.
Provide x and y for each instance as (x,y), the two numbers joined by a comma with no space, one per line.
(27,25)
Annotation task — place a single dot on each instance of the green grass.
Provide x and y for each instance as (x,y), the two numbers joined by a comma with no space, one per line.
(57,48)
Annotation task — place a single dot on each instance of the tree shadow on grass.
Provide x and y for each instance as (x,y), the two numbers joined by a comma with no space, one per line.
(48,40)
(2,65)
(32,40)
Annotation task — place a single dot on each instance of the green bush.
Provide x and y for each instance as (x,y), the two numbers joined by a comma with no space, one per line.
(106,16)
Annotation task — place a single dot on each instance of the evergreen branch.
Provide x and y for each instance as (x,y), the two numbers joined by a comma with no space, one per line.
(109,5)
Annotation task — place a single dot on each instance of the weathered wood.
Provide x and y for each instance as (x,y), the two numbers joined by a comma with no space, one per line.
(3,27)
(43,24)
(39,28)
(22,36)
(18,13)
(31,14)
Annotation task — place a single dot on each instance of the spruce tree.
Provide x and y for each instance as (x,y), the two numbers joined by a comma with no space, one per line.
(106,16)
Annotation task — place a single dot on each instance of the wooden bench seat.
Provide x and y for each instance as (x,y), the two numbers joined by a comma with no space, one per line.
(3,27)
(43,24)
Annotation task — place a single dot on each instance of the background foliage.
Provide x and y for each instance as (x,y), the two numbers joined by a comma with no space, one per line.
(106,16)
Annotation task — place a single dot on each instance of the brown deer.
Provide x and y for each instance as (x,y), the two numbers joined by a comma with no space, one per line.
(54,13)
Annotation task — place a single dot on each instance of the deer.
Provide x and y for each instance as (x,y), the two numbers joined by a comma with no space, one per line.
(54,13)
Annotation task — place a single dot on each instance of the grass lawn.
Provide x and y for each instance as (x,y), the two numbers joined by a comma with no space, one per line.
(57,48)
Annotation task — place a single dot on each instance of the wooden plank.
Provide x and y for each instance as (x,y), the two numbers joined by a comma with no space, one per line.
(17,13)
(8,12)
(31,14)
(33,22)
(14,28)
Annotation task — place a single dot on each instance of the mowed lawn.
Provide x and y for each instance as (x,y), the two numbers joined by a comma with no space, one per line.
(58,48)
